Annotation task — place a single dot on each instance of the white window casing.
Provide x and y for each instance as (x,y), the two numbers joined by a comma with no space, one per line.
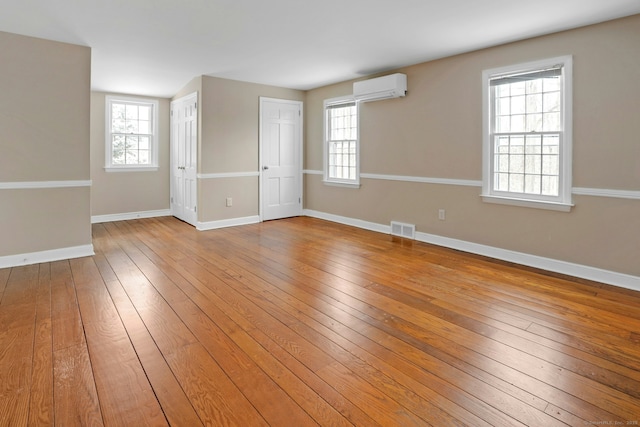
(527,134)
(131,134)
(341,142)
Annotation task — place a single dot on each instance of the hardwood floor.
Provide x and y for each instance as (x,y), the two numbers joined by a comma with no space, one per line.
(303,322)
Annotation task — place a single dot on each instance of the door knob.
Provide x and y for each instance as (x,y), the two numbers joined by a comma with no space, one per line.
(265,167)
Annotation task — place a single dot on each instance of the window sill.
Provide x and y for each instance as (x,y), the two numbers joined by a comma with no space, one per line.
(342,184)
(131,169)
(528,203)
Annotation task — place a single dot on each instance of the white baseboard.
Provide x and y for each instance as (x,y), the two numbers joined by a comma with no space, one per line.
(212,225)
(46,256)
(576,270)
(372,226)
(96,219)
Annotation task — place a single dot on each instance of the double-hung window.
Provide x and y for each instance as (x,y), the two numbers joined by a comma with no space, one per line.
(527,134)
(341,148)
(131,134)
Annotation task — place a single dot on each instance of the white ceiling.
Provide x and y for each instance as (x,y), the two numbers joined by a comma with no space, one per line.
(155,47)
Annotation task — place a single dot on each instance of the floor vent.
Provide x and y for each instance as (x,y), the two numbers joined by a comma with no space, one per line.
(403,230)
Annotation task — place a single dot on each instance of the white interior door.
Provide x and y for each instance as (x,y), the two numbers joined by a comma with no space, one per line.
(281,158)
(184,158)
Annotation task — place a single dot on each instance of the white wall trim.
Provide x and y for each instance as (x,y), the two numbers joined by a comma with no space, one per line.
(372,226)
(23,185)
(97,219)
(601,192)
(227,175)
(46,256)
(549,264)
(557,266)
(582,191)
(232,222)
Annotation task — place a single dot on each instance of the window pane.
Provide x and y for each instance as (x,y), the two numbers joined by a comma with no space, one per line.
(131,132)
(518,105)
(516,164)
(517,144)
(551,101)
(504,124)
(517,123)
(532,184)
(534,103)
(144,127)
(502,182)
(131,112)
(342,135)
(132,142)
(551,122)
(534,86)
(533,144)
(117,149)
(551,144)
(502,163)
(132,126)
(503,90)
(502,144)
(550,165)
(117,111)
(143,142)
(143,157)
(516,183)
(550,84)
(550,185)
(504,106)
(118,125)
(144,113)
(533,165)
(131,157)
(534,122)
(517,88)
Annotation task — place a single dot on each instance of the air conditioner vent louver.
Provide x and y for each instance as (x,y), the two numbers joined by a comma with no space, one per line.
(391,86)
(403,230)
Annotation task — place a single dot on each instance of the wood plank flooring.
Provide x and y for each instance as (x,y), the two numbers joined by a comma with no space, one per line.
(302,322)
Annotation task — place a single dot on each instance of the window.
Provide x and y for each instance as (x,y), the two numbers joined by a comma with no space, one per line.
(527,134)
(341,142)
(131,140)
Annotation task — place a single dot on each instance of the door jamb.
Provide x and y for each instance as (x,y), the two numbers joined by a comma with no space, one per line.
(180,100)
(300,104)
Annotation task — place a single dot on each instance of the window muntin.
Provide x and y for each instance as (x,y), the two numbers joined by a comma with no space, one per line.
(131,134)
(528,138)
(341,142)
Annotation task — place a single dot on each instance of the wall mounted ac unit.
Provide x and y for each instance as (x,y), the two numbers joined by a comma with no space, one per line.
(391,86)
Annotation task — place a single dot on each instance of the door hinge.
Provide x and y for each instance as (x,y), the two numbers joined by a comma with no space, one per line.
(172,200)
(299,200)
(171,113)
(195,105)
(195,209)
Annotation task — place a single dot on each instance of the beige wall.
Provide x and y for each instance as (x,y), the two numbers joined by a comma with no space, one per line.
(127,192)
(229,143)
(436,132)
(44,138)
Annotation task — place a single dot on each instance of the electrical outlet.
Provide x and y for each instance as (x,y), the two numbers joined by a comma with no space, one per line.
(229,202)
(441,214)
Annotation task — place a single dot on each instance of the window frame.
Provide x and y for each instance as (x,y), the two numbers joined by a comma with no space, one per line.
(153,143)
(328,104)
(562,202)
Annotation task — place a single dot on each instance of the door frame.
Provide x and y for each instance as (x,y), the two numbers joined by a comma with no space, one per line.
(300,104)
(191,96)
